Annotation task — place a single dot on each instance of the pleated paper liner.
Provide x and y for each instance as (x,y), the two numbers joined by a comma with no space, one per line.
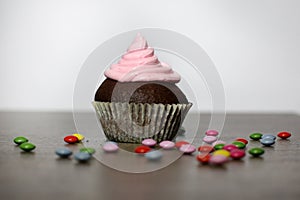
(132,123)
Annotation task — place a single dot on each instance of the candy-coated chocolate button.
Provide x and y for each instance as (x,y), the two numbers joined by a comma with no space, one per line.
(88,150)
(267,141)
(149,142)
(142,149)
(268,136)
(180,143)
(153,155)
(256,151)
(20,140)
(222,152)
(242,140)
(108,141)
(218,142)
(203,158)
(229,147)
(205,148)
(110,147)
(63,152)
(284,135)
(219,146)
(212,133)
(256,136)
(237,154)
(187,148)
(209,139)
(218,159)
(26,146)
(82,156)
(239,145)
(79,136)
(167,144)
(71,139)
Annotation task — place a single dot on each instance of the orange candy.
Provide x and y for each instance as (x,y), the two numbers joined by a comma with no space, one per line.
(205,148)
(203,158)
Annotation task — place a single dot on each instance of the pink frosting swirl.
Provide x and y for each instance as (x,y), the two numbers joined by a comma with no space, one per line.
(140,64)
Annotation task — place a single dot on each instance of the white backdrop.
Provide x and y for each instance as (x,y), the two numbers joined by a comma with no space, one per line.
(255,46)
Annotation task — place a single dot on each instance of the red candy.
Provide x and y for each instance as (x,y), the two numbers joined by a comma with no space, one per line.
(142,149)
(242,140)
(180,143)
(71,139)
(237,154)
(203,158)
(284,135)
(205,148)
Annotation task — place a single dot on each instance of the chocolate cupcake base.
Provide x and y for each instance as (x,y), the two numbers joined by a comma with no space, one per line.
(140,92)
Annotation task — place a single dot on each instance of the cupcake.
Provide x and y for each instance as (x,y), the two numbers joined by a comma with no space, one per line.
(139,98)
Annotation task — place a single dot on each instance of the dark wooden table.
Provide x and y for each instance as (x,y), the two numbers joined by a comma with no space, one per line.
(42,175)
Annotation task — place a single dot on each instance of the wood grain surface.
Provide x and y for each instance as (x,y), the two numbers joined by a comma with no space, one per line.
(42,175)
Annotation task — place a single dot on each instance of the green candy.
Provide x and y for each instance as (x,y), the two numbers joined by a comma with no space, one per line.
(26,146)
(239,145)
(256,136)
(88,150)
(256,151)
(219,146)
(20,140)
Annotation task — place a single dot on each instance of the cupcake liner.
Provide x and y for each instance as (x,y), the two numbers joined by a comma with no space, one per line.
(134,122)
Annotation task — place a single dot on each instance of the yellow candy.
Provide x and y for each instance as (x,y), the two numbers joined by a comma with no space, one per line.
(222,152)
(79,136)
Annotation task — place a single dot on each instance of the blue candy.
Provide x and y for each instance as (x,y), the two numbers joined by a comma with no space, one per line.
(63,152)
(267,141)
(153,155)
(268,136)
(82,156)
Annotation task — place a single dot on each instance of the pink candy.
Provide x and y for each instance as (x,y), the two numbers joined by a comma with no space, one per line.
(237,154)
(187,148)
(149,142)
(110,147)
(210,139)
(218,142)
(218,159)
(167,144)
(212,133)
(229,147)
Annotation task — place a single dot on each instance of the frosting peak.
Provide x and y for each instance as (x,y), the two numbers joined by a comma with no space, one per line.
(138,43)
(140,64)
